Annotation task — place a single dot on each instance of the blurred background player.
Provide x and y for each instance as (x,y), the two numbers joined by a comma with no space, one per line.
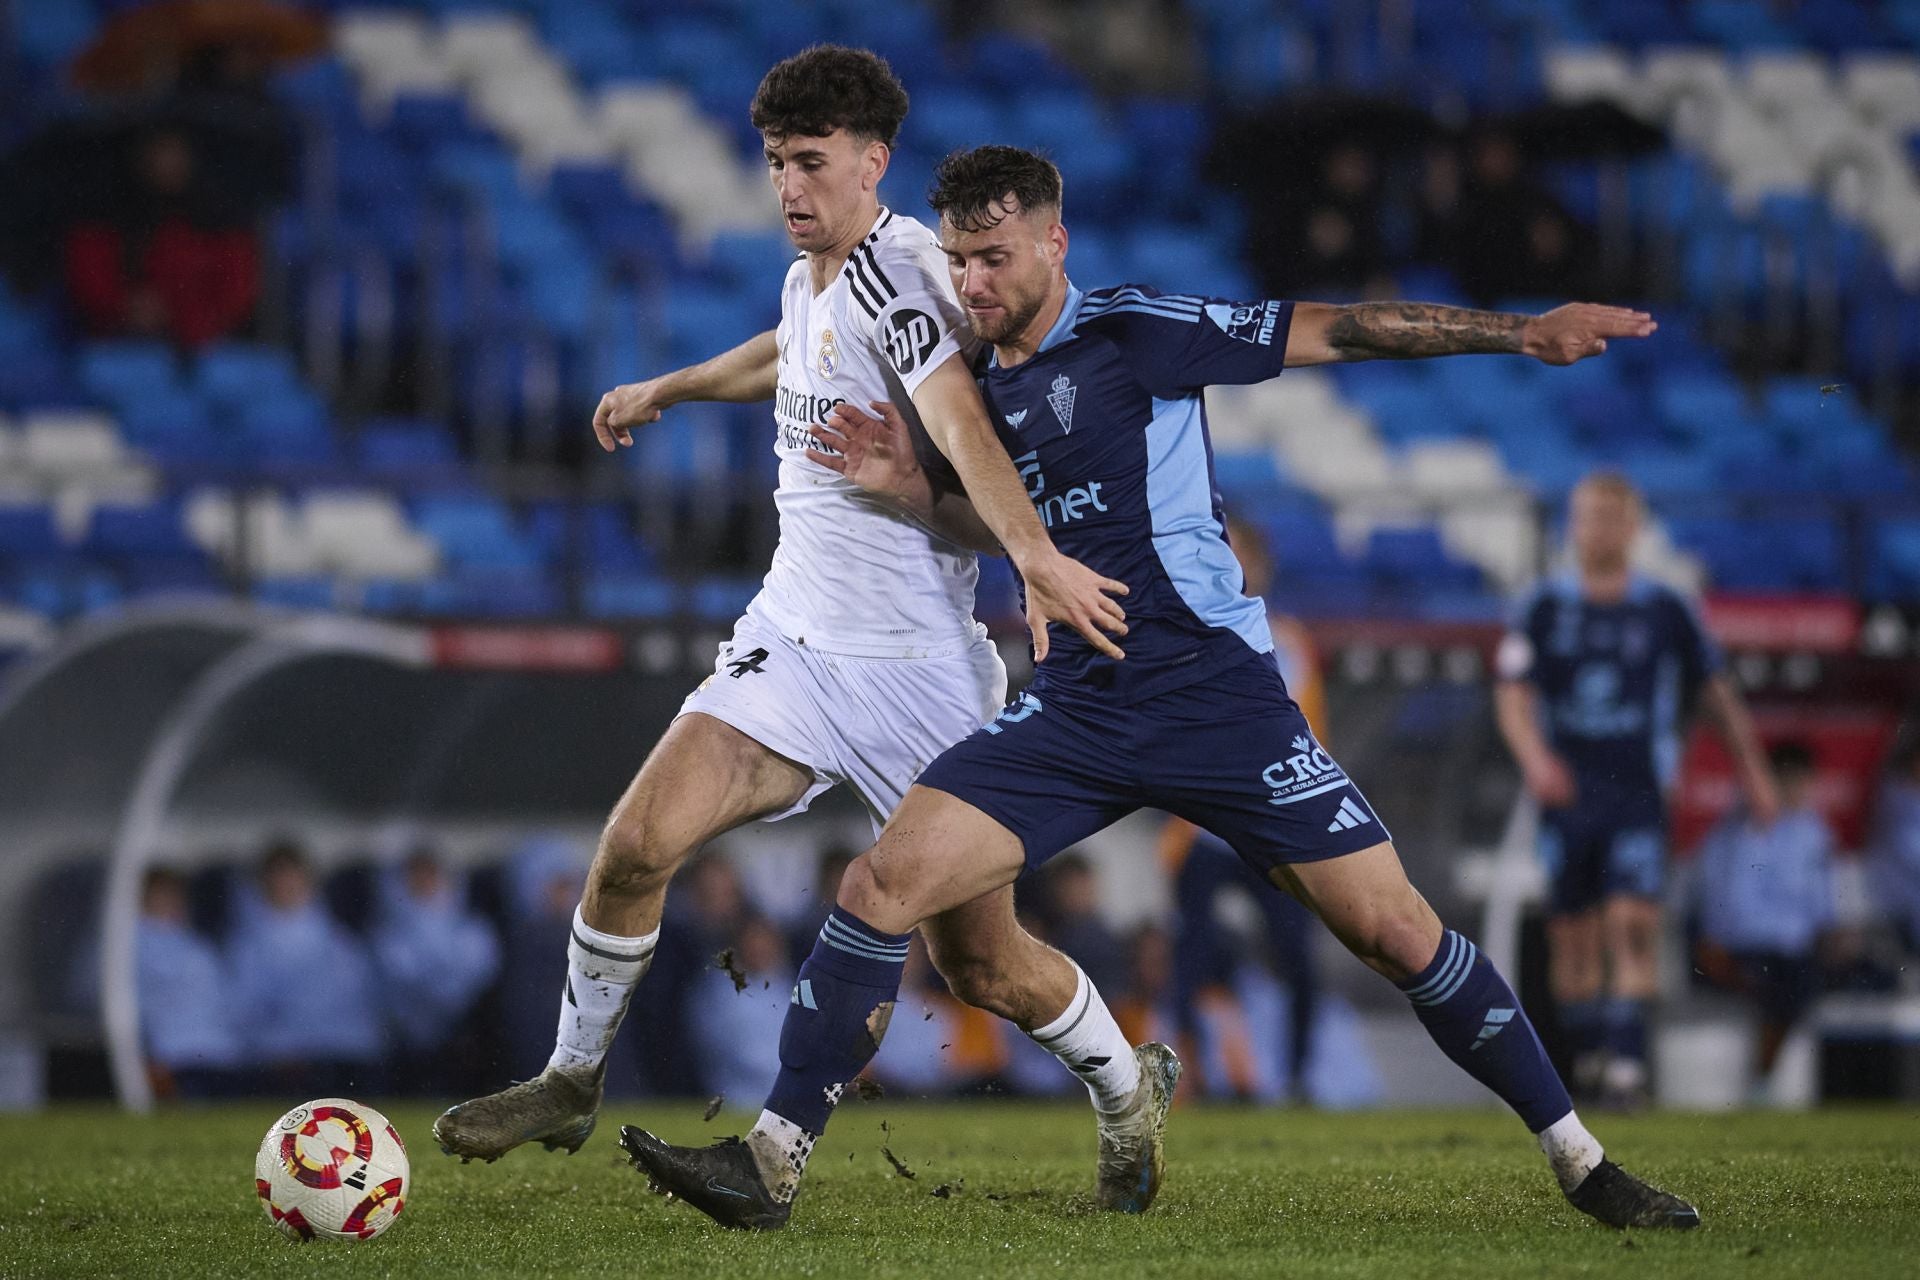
(283,927)
(435,958)
(1597,681)
(186,1004)
(1765,892)
(1894,862)
(1203,867)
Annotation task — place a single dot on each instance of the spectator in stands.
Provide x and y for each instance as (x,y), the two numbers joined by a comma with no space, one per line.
(304,995)
(1327,237)
(734,1029)
(186,1010)
(1766,897)
(702,923)
(162,260)
(1203,868)
(1071,909)
(1597,680)
(1146,1011)
(1894,856)
(545,875)
(436,958)
(1513,238)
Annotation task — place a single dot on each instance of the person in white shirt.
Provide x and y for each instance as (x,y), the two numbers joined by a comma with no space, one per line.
(860,660)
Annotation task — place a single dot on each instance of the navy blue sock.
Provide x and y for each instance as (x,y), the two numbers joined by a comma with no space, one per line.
(1585,1025)
(1626,1028)
(1473,1015)
(837,1017)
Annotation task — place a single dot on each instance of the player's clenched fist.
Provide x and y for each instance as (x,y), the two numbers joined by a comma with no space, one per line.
(635,404)
(1581,329)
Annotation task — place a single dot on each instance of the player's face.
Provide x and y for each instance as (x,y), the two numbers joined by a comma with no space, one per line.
(1005,272)
(826,187)
(1605,523)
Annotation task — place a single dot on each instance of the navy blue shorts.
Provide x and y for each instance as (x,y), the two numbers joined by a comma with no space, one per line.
(1231,754)
(1597,849)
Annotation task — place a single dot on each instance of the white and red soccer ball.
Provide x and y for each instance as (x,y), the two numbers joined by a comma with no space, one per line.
(332,1169)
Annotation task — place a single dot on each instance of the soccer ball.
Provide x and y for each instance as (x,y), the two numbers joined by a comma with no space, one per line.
(331,1169)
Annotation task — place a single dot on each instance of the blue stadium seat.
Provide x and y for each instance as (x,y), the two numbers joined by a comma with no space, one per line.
(401,445)
(156,530)
(1301,540)
(427,121)
(946,120)
(51,31)
(722,599)
(171,576)
(477,531)
(28,531)
(478,170)
(1248,480)
(630,595)
(582,185)
(231,374)
(120,373)
(492,595)
(296,593)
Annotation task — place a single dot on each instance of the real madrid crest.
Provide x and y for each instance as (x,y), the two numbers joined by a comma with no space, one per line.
(829,360)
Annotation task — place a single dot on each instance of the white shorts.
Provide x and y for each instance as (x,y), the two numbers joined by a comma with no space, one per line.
(872,723)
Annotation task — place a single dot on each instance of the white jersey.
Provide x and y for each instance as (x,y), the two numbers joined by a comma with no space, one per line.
(850,576)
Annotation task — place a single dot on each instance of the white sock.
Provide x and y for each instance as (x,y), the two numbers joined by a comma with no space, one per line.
(1571,1150)
(602,971)
(1089,1042)
(780,1149)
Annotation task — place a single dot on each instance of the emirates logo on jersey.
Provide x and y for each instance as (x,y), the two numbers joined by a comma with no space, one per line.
(829,359)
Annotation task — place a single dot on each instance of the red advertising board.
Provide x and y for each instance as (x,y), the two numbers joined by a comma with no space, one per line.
(1849,748)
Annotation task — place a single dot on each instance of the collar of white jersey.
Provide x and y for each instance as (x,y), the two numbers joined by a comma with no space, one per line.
(1062,328)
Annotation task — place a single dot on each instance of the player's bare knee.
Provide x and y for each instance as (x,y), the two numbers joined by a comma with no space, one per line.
(634,858)
(861,891)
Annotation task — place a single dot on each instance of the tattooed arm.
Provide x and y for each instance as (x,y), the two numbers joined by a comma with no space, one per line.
(1322,334)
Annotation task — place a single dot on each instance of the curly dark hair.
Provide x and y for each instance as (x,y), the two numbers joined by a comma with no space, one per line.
(827,87)
(968,183)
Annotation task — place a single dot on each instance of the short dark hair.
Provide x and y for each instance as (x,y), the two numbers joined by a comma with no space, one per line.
(830,86)
(283,852)
(968,183)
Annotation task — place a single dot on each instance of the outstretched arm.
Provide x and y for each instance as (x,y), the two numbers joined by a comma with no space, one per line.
(745,375)
(1324,334)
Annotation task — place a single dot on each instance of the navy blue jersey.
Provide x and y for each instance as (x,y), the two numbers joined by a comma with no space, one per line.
(1108,427)
(1616,681)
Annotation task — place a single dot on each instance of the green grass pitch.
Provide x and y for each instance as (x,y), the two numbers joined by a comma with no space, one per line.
(1000,1190)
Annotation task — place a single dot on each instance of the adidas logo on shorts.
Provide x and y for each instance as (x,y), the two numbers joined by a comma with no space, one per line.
(1349,816)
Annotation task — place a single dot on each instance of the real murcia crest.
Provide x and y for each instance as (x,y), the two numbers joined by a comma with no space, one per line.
(829,358)
(1061,398)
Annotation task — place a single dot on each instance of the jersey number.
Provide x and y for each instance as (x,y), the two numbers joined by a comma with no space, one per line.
(1025,706)
(749,665)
